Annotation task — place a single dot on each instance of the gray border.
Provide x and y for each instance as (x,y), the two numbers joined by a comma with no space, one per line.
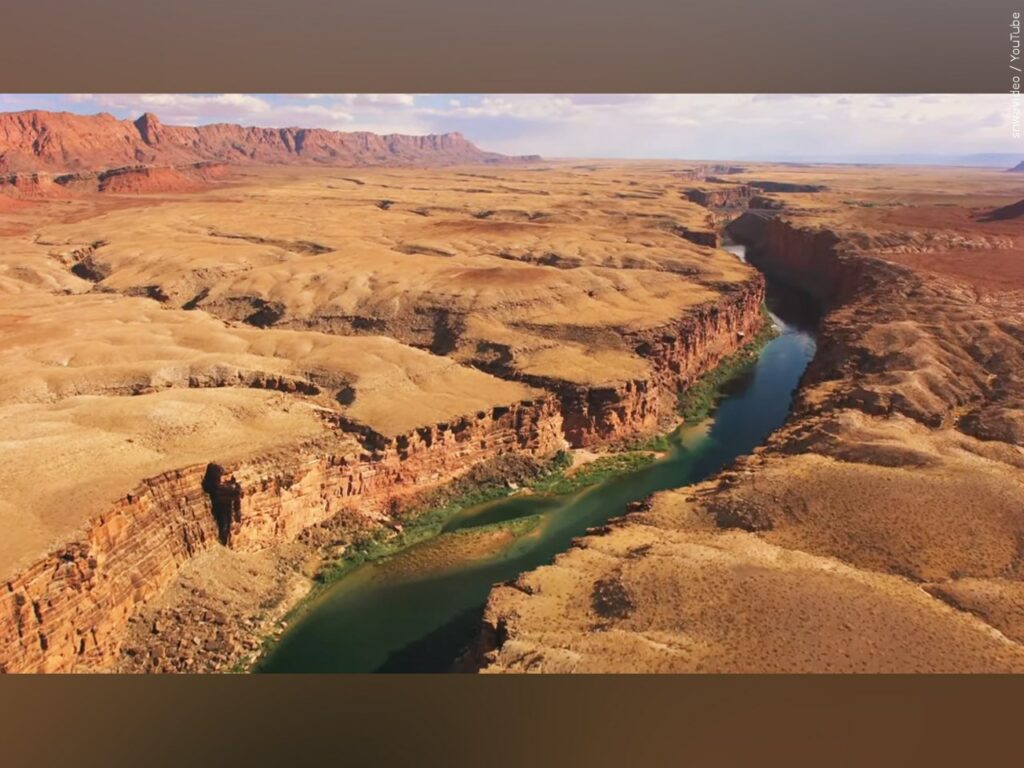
(683,46)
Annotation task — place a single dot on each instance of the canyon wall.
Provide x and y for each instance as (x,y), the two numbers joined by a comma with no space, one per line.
(68,611)
(733,196)
(878,530)
(261,503)
(678,354)
(924,348)
(808,259)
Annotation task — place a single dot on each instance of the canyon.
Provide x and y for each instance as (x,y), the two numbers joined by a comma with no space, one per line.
(205,387)
(232,354)
(879,529)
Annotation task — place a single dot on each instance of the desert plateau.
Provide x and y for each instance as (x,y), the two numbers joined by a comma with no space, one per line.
(301,400)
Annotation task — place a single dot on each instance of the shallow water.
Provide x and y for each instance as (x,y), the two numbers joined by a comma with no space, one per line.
(419,609)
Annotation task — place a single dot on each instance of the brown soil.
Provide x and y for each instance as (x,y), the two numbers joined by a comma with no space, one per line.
(191,381)
(880,529)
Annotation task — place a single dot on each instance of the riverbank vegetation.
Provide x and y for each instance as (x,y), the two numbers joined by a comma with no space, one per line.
(698,401)
(513,473)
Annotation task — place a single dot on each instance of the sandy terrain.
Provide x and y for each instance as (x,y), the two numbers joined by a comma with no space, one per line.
(282,310)
(268,320)
(112,304)
(880,529)
(457,262)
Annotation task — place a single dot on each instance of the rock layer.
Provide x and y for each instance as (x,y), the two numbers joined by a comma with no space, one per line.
(69,610)
(878,530)
(236,379)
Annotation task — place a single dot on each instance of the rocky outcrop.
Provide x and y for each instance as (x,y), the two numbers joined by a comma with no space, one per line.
(1018,168)
(731,196)
(808,259)
(69,610)
(257,503)
(1012,211)
(764,202)
(132,179)
(678,355)
(715,330)
(785,186)
(59,141)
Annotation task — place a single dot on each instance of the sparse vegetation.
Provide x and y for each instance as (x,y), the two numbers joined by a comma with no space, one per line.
(487,482)
(562,484)
(657,443)
(698,401)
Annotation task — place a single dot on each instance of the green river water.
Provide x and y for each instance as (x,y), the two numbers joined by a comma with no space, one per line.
(418,610)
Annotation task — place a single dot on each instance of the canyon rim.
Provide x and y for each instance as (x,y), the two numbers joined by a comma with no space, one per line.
(252,375)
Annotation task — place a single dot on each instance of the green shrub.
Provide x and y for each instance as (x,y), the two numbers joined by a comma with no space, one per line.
(698,401)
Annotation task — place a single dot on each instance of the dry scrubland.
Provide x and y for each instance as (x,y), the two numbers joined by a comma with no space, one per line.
(383,329)
(136,332)
(881,528)
(291,321)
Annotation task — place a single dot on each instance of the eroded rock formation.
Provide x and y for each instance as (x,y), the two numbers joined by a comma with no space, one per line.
(877,531)
(228,364)
(722,196)
(36,141)
(68,611)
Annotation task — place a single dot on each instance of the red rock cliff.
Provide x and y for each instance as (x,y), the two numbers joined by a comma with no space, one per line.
(678,354)
(60,141)
(808,259)
(69,610)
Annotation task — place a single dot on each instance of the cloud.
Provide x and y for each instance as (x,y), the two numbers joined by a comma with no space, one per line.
(517,108)
(173,103)
(380,99)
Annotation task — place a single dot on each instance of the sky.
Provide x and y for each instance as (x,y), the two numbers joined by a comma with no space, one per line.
(685,126)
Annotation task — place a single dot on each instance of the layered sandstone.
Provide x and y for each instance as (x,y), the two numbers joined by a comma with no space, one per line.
(879,529)
(68,610)
(720,196)
(192,382)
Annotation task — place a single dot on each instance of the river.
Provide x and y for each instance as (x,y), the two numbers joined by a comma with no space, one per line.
(418,610)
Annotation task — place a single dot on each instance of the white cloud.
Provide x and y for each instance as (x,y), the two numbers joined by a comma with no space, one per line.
(380,99)
(518,107)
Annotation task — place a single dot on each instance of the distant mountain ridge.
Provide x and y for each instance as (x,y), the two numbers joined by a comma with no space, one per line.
(37,140)
(1018,168)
